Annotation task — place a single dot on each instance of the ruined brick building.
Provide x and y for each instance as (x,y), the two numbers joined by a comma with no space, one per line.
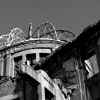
(49,64)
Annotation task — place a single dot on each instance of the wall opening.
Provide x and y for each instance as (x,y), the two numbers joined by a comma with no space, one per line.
(31,59)
(16,99)
(5,65)
(48,95)
(18,62)
(91,66)
(43,54)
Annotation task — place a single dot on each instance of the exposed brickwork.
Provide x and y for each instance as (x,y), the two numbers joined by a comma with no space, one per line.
(20,87)
(7,88)
(11,86)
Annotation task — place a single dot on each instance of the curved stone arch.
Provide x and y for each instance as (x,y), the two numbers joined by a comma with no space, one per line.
(46,30)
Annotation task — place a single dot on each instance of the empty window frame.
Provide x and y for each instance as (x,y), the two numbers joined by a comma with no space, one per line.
(31,59)
(91,66)
(18,62)
(16,99)
(5,65)
(48,95)
(43,54)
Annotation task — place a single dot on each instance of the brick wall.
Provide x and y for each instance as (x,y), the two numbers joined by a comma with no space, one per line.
(11,88)
(18,88)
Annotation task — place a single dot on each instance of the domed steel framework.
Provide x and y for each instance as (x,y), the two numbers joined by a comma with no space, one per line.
(46,31)
(15,36)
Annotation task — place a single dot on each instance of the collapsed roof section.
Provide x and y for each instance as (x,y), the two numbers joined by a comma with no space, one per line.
(83,45)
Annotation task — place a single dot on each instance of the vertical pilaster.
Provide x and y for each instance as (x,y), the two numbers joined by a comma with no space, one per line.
(23,63)
(82,77)
(97,51)
(41,92)
(37,56)
(12,68)
(1,65)
(8,65)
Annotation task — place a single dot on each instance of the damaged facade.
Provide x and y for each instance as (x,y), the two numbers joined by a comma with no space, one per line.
(49,64)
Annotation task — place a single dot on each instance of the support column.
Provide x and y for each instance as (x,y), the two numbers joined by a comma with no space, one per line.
(1,66)
(97,51)
(23,63)
(37,56)
(8,65)
(41,92)
(82,79)
(12,68)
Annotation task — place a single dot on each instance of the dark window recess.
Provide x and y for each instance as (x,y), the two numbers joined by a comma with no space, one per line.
(91,66)
(43,54)
(48,95)
(31,59)
(18,62)
(16,99)
(93,60)
(5,65)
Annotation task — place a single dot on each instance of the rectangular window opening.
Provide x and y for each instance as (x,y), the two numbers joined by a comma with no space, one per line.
(44,54)
(18,62)
(91,66)
(5,65)
(31,59)
(16,99)
(49,95)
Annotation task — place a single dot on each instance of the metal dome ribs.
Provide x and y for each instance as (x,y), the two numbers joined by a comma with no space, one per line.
(15,36)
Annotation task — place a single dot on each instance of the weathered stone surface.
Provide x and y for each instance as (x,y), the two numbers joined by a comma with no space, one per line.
(18,88)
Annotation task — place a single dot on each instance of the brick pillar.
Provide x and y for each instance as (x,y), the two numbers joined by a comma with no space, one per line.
(41,92)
